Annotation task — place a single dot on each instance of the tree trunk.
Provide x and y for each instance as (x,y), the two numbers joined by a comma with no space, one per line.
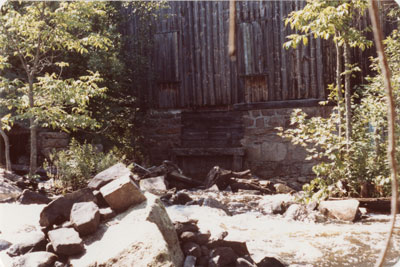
(339,86)
(33,131)
(347,94)
(6,147)
(391,114)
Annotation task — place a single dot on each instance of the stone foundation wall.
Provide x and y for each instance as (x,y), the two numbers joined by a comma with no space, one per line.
(162,133)
(266,154)
(47,141)
(269,155)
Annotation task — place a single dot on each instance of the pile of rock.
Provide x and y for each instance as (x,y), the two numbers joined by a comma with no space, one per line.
(202,250)
(69,221)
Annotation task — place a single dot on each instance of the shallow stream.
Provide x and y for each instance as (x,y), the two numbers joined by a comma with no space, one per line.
(298,243)
(295,243)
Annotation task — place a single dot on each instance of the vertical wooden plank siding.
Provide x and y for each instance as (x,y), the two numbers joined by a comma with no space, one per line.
(192,67)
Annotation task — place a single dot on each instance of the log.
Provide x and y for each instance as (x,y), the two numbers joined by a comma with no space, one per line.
(250,184)
(221,177)
(182,178)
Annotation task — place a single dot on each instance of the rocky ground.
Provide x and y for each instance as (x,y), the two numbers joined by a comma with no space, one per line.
(126,219)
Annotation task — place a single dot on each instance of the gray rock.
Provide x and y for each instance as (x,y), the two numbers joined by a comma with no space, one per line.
(282,189)
(59,210)
(205,251)
(241,262)
(189,226)
(30,197)
(213,203)
(155,184)
(222,256)
(190,261)
(202,238)
(296,212)
(32,241)
(345,210)
(270,262)
(191,249)
(188,237)
(115,172)
(8,190)
(181,198)
(240,248)
(66,241)
(120,194)
(85,217)
(35,259)
(4,244)
(49,248)
(141,236)
(60,264)
(101,202)
(106,214)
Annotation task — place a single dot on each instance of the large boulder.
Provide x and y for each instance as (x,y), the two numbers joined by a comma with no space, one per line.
(85,217)
(345,210)
(66,241)
(120,194)
(222,256)
(37,259)
(8,190)
(270,262)
(4,244)
(31,241)
(141,236)
(116,171)
(59,210)
(155,184)
(30,197)
(106,213)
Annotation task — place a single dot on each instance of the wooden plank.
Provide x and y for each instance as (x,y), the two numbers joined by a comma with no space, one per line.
(257,33)
(276,53)
(216,62)
(280,104)
(198,69)
(228,79)
(183,74)
(246,47)
(189,33)
(222,49)
(203,45)
(185,55)
(269,46)
(210,52)
(282,14)
(306,68)
(313,70)
(320,70)
(245,10)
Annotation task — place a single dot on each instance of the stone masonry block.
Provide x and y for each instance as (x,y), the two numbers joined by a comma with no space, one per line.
(274,151)
(120,194)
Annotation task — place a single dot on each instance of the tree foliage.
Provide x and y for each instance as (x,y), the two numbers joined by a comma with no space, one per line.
(365,166)
(33,36)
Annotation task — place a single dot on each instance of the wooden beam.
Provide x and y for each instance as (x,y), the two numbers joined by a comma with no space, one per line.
(280,104)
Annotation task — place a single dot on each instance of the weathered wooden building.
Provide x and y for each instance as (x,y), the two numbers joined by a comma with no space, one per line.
(207,109)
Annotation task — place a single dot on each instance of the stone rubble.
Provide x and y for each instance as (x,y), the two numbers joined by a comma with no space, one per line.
(66,241)
(121,193)
(82,223)
(85,217)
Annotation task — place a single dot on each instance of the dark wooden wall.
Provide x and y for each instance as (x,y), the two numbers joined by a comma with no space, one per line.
(192,67)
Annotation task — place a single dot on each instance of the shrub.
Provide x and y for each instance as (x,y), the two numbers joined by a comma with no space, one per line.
(364,163)
(73,167)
